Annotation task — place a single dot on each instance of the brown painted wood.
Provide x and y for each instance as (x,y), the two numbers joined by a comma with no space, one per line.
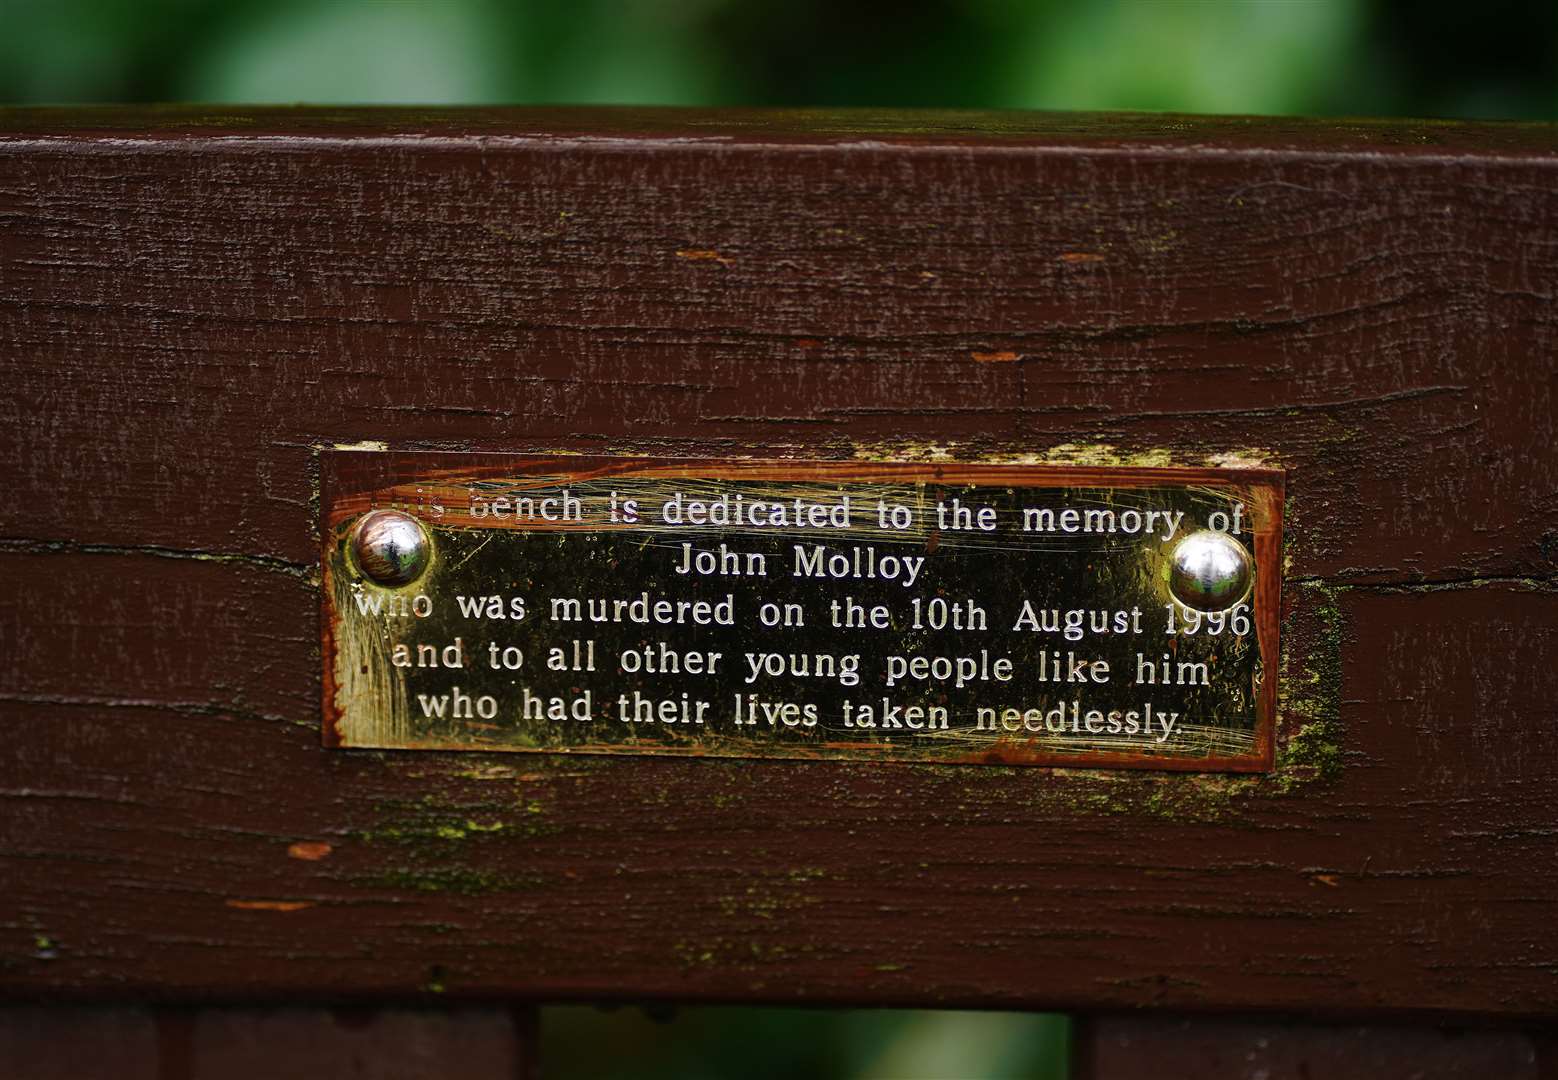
(192,306)
(236,1044)
(1124,1048)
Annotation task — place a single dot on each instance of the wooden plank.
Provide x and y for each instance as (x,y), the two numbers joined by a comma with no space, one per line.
(234,1044)
(1401,880)
(188,313)
(1322,308)
(1121,1048)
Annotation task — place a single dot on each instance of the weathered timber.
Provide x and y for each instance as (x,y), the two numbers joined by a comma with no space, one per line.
(1126,1047)
(252,1044)
(192,306)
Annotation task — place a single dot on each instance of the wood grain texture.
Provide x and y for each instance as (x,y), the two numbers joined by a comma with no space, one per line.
(191,306)
(1125,1047)
(257,1044)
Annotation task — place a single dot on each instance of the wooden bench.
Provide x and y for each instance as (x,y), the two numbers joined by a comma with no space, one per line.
(194,304)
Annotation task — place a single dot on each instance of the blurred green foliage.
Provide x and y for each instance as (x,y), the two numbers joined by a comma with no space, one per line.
(781,1044)
(1498,58)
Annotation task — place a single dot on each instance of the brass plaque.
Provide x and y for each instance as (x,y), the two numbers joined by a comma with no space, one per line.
(961,613)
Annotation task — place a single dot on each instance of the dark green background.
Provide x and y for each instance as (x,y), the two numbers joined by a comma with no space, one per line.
(1493,59)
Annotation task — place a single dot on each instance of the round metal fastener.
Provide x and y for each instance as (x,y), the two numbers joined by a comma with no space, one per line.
(1210,571)
(391,547)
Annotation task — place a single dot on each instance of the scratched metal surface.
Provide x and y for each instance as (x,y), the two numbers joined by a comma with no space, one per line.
(395,675)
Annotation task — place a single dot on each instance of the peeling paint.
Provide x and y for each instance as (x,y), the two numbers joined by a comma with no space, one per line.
(309,850)
(700,255)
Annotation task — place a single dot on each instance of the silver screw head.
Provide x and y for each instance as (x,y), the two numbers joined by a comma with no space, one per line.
(391,547)
(1210,571)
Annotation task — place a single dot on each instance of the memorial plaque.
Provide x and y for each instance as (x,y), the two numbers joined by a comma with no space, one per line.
(934,612)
